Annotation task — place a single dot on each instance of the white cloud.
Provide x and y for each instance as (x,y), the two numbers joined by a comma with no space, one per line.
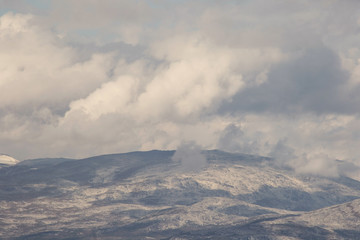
(111,97)
(308,144)
(39,70)
(274,66)
(195,78)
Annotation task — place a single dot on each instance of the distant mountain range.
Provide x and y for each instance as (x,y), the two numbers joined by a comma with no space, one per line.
(149,195)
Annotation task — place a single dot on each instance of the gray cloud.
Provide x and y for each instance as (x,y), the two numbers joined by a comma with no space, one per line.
(233,139)
(313,82)
(93,77)
(190,157)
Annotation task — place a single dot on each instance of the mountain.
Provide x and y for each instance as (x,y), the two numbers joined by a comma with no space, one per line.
(149,195)
(7,160)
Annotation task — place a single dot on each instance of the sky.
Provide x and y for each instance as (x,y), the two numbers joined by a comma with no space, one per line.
(274,78)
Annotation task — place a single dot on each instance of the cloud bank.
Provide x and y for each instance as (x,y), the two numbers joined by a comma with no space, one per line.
(278,79)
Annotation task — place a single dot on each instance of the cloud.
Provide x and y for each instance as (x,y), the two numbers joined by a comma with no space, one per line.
(185,85)
(233,139)
(271,78)
(305,162)
(190,157)
(312,82)
(40,69)
(308,144)
(318,164)
(90,21)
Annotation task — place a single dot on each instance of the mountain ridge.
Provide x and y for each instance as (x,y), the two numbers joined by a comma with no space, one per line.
(150,194)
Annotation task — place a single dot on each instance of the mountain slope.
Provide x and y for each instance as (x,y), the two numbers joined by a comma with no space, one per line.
(147,194)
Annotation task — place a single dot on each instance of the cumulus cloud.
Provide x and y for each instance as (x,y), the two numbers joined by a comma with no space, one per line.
(277,79)
(40,70)
(191,81)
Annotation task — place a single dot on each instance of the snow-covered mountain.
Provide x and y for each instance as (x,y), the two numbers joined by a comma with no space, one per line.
(148,195)
(7,160)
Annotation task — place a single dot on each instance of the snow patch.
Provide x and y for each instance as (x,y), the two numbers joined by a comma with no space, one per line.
(6,159)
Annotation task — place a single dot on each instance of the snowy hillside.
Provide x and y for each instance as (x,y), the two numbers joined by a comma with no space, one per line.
(148,194)
(7,160)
